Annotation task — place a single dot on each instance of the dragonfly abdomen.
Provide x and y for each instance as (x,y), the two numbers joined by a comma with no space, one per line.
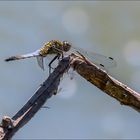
(13,58)
(24,56)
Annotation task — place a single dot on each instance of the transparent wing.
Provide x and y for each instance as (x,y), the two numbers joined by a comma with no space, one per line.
(40,61)
(98,59)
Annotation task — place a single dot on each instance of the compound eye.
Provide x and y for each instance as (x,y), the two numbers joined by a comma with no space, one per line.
(66,45)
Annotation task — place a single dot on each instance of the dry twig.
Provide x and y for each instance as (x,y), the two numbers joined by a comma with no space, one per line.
(105,82)
(86,69)
(10,126)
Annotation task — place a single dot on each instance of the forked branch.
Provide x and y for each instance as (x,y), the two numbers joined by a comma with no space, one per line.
(87,70)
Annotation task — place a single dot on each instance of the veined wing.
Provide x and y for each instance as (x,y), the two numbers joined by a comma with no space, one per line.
(98,59)
(38,57)
(40,62)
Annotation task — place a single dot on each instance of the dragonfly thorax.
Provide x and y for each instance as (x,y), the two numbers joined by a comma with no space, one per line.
(54,47)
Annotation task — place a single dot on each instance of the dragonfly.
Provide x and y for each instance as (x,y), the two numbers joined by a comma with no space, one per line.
(52,47)
(58,48)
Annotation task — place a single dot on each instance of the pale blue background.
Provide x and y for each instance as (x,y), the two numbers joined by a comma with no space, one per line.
(80,110)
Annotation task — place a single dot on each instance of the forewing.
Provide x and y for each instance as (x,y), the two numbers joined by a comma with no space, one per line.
(98,59)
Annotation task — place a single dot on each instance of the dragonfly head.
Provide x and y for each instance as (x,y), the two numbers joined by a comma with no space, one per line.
(66,46)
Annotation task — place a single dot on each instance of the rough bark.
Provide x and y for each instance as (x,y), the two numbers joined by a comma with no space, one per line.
(87,70)
(101,79)
(10,126)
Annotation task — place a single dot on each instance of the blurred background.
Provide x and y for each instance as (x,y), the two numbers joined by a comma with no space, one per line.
(79,110)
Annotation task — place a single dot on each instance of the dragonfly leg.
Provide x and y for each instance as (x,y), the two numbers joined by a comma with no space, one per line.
(50,67)
(60,52)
